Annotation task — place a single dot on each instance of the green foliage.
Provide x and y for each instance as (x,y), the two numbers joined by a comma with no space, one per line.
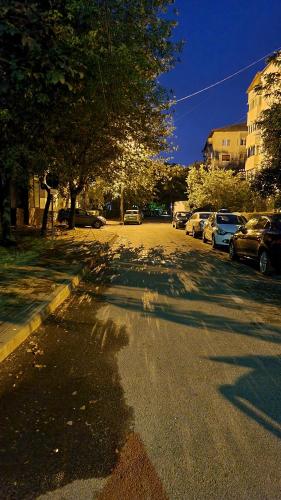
(133,173)
(79,77)
(267,182)
(218,188)
(171,183)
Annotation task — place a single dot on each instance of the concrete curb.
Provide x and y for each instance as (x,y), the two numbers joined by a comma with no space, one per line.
(13,334)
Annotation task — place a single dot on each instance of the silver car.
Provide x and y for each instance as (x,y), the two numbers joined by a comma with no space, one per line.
(195,223)
(133,217)
(220,227)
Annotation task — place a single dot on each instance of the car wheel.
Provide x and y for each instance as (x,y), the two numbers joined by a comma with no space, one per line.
(194,234)
(97,224)
(232,252)
(204,238)
(264,263)
(214,244)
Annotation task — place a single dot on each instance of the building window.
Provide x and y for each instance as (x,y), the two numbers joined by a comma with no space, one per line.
(251,151)
(226,142)
(252,127)
(225,157)
(252,104)
(242,142)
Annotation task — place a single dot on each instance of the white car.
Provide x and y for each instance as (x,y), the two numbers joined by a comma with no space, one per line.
(132,217)
(195,223)
(220,226)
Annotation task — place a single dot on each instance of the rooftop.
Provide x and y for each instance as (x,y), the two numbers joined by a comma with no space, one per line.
(236,127)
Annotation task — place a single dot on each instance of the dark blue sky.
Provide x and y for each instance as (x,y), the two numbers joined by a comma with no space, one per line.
(221,37)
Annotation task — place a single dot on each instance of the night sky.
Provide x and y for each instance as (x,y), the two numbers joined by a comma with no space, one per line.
(221,37)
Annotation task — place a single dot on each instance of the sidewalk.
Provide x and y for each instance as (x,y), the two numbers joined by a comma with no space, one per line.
(36,278)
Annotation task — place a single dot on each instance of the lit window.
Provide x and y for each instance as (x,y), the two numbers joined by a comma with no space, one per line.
(225,157)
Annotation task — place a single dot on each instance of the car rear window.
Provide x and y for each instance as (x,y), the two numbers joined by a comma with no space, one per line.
(204,216)
(182,214)
(230,219)
(132,212)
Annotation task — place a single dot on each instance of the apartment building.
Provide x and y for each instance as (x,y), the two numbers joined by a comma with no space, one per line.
(257,103)
(225,147)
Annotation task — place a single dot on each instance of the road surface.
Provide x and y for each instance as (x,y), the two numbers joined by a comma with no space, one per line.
(158,379)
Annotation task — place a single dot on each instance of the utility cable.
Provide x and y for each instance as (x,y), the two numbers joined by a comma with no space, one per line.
(223,80)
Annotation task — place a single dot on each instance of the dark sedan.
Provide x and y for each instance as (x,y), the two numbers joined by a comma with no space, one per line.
(259,239)
(180,219)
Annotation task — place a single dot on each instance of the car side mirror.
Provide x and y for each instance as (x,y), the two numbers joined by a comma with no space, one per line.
(242,229)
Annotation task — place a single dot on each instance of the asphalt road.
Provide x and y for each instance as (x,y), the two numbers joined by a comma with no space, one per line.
(159,379)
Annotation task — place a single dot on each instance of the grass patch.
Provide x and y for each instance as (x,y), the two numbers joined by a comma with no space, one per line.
(29,250)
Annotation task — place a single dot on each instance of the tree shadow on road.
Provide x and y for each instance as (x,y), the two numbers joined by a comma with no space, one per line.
(257,393)
(189,280)
(27,283)
(63,411)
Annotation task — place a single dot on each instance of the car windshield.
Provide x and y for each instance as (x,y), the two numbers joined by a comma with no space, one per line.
(230,219)
(182,215)
(134,212)
(204,216)
(276,223)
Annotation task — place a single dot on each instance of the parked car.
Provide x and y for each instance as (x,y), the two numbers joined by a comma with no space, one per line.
(259,239)
(195,223)
(220,226)
(82,218)
(133,217)
(180,219)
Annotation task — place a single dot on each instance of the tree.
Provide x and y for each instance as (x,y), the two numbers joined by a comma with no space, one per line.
(91,64)
(133,175)
(38,69)
(171,183)
(217,188)
(267,182)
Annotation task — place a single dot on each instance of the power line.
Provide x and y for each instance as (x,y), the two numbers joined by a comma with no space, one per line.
(223,80)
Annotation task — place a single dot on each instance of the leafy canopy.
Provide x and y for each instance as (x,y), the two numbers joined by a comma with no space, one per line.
(217,188)
(267,181)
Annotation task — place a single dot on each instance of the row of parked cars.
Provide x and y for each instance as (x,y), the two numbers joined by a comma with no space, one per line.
(85,218)
(258,238)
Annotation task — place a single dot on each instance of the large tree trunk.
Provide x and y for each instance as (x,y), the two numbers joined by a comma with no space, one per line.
(71,220)
(122,205)
(5,208)
(46,212)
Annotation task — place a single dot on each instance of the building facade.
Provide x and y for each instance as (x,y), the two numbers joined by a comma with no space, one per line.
(226,147)
(257,103)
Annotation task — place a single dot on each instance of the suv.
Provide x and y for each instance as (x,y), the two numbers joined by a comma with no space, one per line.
(133,217)
(82,218)
(220,227)
(180,219)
